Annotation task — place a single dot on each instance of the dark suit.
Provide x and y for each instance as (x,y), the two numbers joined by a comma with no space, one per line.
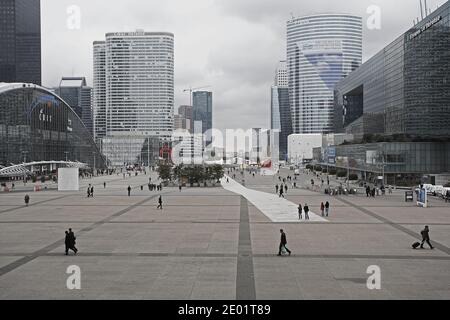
(283,243)
(426,238)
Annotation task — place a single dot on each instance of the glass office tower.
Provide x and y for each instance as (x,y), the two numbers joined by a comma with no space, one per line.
(321,50)
(20,41)
(397,106)
(78,95)
(280,110)
(202,110)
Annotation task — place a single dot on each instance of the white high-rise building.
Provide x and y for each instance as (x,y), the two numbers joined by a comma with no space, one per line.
(281,75)
(321,50)
(139,92)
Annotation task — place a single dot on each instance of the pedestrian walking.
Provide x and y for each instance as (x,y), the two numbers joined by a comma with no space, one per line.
(327,208)
(276,189)
(306,209)
(300,212)
(160,203)
(322,209)
(281,192)
(283,243)
(104,185)
(129,190)
(179,187)
(426,237)
(89,191)
(92,191)
(27,200)
(70,241)
(285,188)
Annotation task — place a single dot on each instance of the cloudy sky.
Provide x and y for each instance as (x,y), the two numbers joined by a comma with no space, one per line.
(232,45)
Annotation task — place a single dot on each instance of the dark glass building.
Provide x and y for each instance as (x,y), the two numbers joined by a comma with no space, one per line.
(78,95)
(281,118)
(405,88)
(202,110)
(20,41)
(397,106)
(37,125)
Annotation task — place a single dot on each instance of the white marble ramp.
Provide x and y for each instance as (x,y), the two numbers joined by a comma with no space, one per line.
(275,208)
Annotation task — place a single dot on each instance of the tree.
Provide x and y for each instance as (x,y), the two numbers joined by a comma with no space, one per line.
(341,174)
(165,172)
(217,172)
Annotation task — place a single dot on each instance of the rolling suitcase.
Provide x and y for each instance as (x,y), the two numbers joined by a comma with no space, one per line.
(416,245)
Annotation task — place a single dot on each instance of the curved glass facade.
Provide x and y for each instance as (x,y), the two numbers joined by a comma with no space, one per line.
(321,50)
(405,88)
(37,125)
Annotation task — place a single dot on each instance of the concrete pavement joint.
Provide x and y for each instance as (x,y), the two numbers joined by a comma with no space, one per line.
(245,278)
(396,226)
(30,257)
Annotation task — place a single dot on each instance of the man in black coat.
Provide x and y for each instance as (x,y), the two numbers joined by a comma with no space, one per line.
(283,243)
(426,237)
(306,209)
(69,242)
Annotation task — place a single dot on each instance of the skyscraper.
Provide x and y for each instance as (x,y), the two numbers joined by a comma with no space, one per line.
(99,102)
(138,87)
(20,41)
(78,95)
(202,110)
(185,118)
(321,50)
(280,110)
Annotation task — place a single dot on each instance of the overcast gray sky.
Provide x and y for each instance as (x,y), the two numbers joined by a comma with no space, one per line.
(232,45)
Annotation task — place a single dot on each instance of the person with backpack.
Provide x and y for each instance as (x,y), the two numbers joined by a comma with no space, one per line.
(27,200)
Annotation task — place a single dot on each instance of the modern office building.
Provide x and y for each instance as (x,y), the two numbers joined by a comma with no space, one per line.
(321,50)
(99,89)
(202,111)
(75,92)
(20,41)
(185,118)
(37,125)
(397,106)
(280,109)
(134,74)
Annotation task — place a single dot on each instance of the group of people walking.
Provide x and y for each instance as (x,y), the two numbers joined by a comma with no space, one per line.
(90,191)
(70,242)
(281,190)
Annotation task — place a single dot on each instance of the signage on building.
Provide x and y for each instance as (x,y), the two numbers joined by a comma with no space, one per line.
(425,27)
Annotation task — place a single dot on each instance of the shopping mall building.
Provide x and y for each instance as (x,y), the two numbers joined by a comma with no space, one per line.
(397,107)
(37,125)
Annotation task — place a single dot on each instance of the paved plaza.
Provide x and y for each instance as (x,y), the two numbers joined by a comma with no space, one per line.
(213,243)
